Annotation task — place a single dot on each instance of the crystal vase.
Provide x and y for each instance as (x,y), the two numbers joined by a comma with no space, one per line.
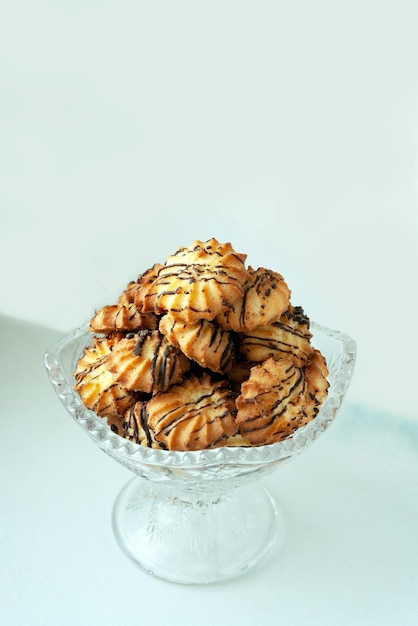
(202,516)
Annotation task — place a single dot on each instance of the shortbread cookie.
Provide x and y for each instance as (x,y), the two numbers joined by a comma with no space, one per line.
(137,290)
(144,295)
(203,341)
(147,362)
(125,317)
(195,415)
(95,383)
(271,402)
(289,337)
(266,297)
(128,295)
(316,386)
(197,282)
(134,426)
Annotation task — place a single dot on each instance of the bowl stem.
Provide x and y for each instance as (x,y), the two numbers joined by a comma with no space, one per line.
(193,535)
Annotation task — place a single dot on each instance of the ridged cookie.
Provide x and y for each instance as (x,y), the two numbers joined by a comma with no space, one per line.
(203,341)
(316,386)
(147,362)
(134,426)
(95,384)
(128,295)
(144,295)
(266,297)
(125,317)
(195,415)
(271,402)
(289,337)
(198,282)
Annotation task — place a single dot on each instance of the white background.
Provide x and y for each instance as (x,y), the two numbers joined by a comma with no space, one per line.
(289,128)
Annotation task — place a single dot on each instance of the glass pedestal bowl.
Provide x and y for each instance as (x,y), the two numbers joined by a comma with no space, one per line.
(204,516)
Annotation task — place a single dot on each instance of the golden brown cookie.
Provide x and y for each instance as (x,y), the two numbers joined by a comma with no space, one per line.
(198,282)
(289,337)
(124,317)
(128,295)
(96,385)
(195,415)
(203,341)
(144,294)
(147,362)
(266,297)
(316,386)
(271,402)
(134,426)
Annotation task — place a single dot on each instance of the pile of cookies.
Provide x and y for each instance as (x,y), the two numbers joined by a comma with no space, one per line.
(202,351)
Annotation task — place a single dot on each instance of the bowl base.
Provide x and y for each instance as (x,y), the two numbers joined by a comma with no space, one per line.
(193,536)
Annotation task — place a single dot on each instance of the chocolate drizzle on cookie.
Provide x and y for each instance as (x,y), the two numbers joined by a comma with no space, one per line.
(135,425)
(201,351)
(198,414)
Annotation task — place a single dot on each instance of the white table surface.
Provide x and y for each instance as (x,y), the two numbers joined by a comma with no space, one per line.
(350,503)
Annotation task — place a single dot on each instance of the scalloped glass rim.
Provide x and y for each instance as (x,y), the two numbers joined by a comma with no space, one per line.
(338,348)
